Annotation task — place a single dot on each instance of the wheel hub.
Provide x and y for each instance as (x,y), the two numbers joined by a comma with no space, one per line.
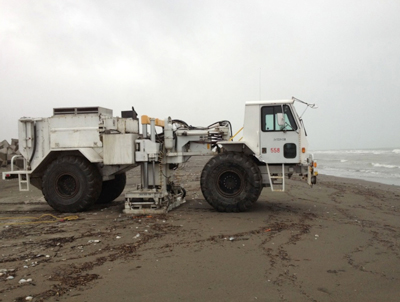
(67,186)
(230,183)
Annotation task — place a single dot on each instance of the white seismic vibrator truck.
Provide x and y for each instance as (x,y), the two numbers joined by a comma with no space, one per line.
(80,156)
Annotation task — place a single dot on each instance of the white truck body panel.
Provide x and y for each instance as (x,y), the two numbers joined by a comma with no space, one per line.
(119,149)
(27,139)
(82,129)
(251,129)
(74,131)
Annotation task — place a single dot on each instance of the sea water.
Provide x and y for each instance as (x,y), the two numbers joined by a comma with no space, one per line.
(378,165)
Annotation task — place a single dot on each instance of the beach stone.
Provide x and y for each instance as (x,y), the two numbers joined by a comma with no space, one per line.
(4,156)
(19,162)
(14,145)
(4,144)
(7,151)
(10,154)
(22,281)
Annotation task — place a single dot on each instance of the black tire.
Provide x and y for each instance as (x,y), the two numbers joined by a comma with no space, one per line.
(71,184)
(231,182)
(111,189)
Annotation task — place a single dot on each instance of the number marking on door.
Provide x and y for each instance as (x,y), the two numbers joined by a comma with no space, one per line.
(275,150)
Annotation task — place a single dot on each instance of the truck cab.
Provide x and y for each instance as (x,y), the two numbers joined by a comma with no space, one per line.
(280,135)
(275,136)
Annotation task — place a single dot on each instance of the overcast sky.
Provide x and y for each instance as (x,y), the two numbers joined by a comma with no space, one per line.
(200,61)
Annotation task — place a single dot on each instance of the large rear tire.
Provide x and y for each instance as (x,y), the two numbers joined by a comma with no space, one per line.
(111,189)
(71,184)
(231,182)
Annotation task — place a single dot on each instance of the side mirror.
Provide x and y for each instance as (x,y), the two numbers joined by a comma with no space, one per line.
(281,119)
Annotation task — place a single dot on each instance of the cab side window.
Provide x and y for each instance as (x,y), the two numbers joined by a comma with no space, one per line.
(269,119)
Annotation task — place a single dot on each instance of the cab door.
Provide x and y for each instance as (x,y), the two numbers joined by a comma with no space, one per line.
(279,135)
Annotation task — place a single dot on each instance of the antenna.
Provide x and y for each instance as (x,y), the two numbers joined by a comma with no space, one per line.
(259,86)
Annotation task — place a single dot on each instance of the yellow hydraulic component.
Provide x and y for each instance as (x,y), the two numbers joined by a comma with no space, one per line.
(145,120)
(160,123)
(231,139)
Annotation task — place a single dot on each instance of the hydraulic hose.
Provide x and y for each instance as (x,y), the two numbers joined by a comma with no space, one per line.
(34,143)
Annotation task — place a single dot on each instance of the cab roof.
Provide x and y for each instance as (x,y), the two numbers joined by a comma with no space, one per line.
(272,102)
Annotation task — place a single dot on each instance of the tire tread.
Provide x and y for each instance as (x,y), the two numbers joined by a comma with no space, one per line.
(90,174)
(253,182)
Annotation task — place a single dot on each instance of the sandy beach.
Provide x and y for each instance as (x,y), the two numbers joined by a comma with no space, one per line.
(337,241)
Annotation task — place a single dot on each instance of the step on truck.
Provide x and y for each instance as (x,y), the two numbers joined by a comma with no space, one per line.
(79,157)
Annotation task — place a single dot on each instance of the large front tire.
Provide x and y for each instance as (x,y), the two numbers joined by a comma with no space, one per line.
(111,189)
(71,184)
(231,182)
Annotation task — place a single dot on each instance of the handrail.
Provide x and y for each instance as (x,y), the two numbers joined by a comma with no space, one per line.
(231,139)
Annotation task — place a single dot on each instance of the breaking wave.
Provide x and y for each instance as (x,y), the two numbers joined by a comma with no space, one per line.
(384,166)
(380,165)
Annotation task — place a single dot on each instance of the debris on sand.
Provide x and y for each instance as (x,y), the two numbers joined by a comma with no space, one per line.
(7,151)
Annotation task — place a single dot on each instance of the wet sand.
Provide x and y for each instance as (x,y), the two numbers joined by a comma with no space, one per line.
(337,241)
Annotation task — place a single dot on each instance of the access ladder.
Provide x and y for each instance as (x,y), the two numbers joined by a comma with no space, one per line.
(276,178)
